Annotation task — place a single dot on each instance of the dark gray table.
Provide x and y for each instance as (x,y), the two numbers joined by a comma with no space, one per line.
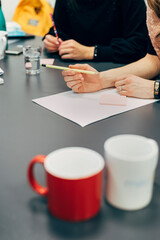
(27,130)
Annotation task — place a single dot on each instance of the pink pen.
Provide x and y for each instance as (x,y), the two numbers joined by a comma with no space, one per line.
(54,28)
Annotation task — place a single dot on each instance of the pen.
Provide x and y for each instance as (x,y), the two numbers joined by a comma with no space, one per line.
(54,28)
(66,68)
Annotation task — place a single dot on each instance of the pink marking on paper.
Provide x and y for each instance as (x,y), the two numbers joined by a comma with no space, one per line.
(113,99)
(47,61)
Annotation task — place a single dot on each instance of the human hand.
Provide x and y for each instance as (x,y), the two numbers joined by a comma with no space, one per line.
(82,82)
(133,86)
(51,43)
(71,49)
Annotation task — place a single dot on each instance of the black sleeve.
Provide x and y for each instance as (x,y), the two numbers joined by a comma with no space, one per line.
(133,45)
(60,17)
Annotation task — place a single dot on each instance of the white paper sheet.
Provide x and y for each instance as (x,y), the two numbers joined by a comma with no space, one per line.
(85,109)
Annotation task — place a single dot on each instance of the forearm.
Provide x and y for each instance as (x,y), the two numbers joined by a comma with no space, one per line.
(88,53)
(147,67)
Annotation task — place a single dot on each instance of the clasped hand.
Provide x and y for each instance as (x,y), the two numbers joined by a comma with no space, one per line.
(129,85)
(69,49)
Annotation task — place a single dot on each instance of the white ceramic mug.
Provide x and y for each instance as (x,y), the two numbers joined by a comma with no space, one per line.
(3,43)
(131,161)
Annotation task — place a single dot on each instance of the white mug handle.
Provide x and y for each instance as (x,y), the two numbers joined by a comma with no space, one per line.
(3,44)
(4,39)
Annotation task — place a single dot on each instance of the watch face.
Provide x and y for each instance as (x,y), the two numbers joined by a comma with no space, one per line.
(156,89)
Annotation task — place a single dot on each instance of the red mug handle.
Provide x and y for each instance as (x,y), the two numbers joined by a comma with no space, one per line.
(34,184)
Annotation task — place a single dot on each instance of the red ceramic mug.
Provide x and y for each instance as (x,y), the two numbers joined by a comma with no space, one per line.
(74,182)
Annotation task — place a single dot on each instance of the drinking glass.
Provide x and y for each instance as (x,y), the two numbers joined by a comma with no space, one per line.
(32,59)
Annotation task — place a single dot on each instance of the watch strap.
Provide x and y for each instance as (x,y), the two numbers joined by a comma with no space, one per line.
(95,52)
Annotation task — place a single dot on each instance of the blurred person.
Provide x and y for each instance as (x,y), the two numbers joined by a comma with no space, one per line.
(99,30)
(130,80)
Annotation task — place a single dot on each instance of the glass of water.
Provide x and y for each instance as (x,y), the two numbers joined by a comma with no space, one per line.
(32,59)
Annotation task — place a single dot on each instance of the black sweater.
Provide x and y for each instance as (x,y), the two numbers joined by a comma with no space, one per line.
(118,27)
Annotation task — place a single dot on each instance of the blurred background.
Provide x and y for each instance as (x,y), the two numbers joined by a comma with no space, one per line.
(21,17)
(9,7)
(27,16)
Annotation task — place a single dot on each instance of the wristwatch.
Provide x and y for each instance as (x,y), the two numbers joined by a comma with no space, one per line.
(95,52)
(157,89)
